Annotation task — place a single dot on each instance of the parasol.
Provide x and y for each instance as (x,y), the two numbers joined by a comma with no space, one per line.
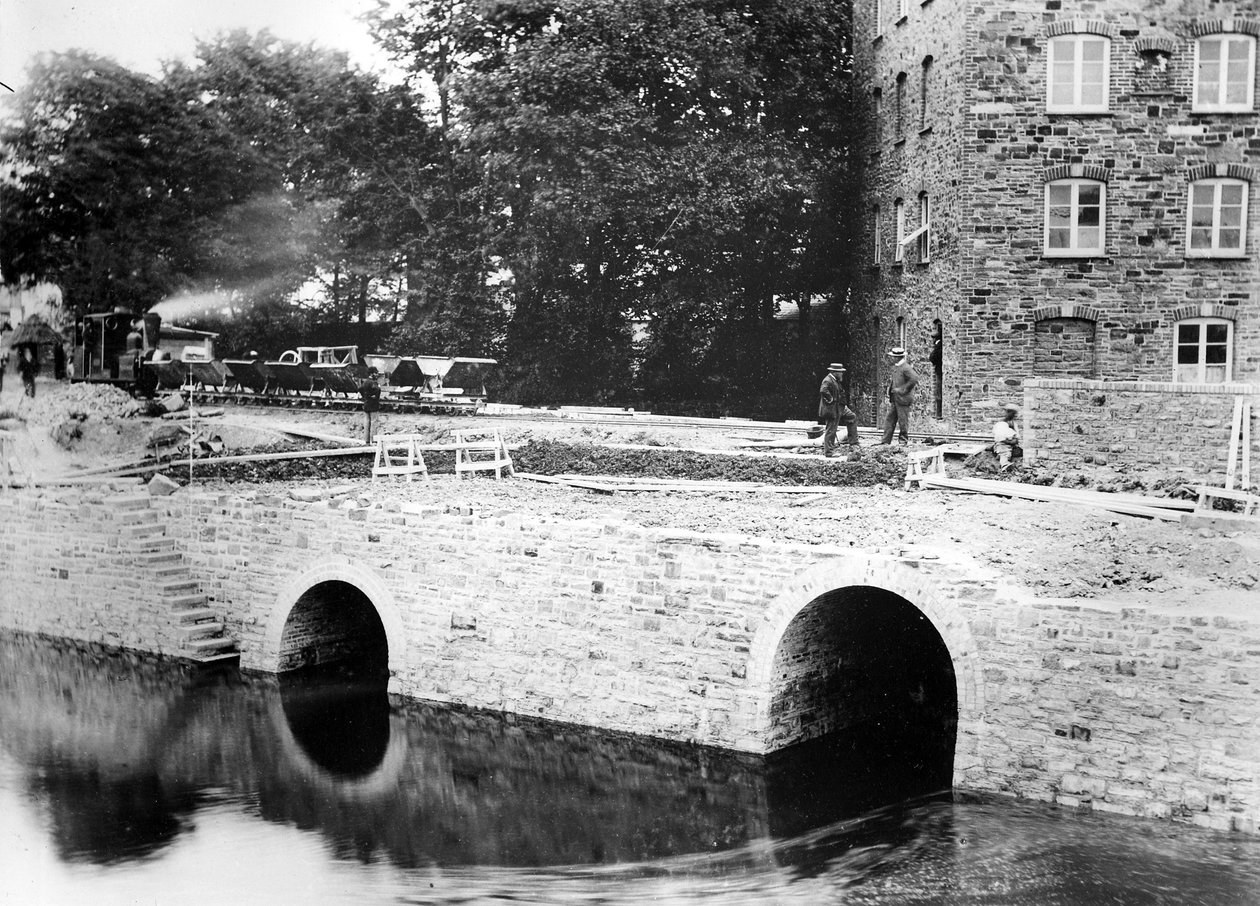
(33,330)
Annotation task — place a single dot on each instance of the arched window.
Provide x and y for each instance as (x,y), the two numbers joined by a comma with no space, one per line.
(1216,219)
(1204,351)
(1225,73)
(1078,73)
(1075,218)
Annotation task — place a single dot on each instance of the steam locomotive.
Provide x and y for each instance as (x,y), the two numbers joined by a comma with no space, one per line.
(140,354)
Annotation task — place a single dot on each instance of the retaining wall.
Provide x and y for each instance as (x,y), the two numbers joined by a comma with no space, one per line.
(1142,424)
(1139,710)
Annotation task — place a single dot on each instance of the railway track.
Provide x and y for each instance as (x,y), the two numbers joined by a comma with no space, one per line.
(316,403)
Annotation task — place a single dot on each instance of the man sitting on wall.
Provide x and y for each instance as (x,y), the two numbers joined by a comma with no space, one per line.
(1006,437)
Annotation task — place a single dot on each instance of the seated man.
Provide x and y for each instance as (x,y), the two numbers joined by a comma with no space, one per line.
(1006,438)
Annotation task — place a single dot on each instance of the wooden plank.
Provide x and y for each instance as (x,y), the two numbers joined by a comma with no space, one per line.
(1082,495)
(256,457)
(1234,432)
(552,479)
(1033,492)
(644,483)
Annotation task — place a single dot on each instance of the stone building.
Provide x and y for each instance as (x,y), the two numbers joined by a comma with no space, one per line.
(1060,193)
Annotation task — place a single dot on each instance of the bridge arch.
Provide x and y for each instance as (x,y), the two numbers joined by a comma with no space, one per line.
(872,589)
(350,597)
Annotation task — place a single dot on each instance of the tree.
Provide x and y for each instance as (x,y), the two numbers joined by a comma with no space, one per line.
(671,161)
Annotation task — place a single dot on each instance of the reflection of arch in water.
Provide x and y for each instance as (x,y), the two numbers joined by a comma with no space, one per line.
(381,780)
(853,605)
(335,611)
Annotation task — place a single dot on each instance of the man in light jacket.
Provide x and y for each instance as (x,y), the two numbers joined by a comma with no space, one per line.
(901,384)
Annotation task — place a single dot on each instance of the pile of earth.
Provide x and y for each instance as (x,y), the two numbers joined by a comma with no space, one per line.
(61,402)
(543,457)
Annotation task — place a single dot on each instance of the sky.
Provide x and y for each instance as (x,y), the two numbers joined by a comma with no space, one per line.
(141,34)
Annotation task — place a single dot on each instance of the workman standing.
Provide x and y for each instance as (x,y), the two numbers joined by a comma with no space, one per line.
(833,409)
(901,384)
(371,393)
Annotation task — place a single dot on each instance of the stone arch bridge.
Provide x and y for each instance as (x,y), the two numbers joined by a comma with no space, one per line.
(720,640)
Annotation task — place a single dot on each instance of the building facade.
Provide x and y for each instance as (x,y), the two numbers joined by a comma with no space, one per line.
(1057,189)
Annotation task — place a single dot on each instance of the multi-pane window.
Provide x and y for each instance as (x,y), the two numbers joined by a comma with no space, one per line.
(899,113)
(1204,351)
(899,216)
(925,93)
(1225,73)
(1217,219)
(1075,217)
(877,228)
(1077,74)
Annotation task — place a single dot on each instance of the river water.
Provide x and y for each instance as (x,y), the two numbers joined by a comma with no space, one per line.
(126,781)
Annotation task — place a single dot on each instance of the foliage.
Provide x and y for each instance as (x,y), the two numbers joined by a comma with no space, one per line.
(677,162)
(584,166)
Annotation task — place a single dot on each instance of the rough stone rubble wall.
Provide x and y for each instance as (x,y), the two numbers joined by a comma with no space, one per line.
(1071,423)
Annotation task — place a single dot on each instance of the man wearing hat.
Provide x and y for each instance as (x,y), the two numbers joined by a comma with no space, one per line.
(901,384)
(833,408)
(1006,437)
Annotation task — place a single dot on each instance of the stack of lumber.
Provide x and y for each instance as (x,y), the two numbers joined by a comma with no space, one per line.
(1165,508)
(609,484)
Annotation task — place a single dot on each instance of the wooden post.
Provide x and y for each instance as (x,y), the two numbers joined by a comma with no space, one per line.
(1234,433)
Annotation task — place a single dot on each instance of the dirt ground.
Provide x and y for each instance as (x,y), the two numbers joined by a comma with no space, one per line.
(1056,550)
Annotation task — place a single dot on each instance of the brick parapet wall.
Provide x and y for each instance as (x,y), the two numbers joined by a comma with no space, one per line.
(1137,424)
(673,634)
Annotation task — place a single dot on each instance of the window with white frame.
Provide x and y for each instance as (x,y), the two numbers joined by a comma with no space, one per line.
(1225,73)
(1204,353)
(1075,218)
(1216,225)
(877,229)
(899,216)
(925,228)
(1077,78)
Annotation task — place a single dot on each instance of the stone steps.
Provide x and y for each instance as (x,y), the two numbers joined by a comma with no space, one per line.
(207,629)
(177,582)
(183,602)
(201,632)
(211,646)
(195,615)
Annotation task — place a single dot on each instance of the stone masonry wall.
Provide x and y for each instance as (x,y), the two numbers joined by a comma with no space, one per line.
(1147,148)
(924,158)
(671,634)
(985,161)
(1070,423)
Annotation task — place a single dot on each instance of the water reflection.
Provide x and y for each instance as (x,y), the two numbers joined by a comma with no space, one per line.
(339,716)
(318,791)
